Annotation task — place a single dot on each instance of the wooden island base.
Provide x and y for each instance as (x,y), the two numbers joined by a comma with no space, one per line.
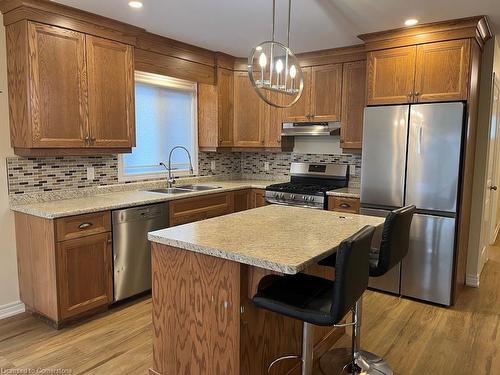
(204,321)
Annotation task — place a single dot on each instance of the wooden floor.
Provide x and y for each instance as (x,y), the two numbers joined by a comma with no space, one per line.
(415,338)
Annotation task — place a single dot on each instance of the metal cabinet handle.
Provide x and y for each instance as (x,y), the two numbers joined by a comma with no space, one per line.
(417,94)
(345,205)
(493,187)
(84,225)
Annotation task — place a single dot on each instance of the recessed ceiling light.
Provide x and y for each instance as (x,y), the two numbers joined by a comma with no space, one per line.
(135,4)
(411,22)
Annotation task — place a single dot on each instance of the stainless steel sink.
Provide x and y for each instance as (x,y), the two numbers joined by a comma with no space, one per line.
(199,187)
(171,191)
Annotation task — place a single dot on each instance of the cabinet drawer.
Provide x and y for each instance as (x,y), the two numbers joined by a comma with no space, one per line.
(83,225)
(350,205)
(187,210)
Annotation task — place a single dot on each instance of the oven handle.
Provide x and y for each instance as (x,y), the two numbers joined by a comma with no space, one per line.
(293,205)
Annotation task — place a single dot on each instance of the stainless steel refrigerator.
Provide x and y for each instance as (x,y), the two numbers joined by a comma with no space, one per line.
(412,155)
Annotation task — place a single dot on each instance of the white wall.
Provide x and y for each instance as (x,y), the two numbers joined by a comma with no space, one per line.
(9,292)
(490,64)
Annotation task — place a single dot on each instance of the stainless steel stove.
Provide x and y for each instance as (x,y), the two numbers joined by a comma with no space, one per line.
(308,185)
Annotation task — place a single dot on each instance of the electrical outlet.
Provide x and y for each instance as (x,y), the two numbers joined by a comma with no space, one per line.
(212,165)
(90,173)
(266,166)
(352,170)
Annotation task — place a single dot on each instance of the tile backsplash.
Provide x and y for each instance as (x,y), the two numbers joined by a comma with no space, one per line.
(45,174)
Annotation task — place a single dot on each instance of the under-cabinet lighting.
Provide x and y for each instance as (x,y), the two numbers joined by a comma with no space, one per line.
(135,4)
(411,22)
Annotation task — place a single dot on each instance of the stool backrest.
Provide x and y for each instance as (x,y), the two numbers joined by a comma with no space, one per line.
(351,272)
(395,240)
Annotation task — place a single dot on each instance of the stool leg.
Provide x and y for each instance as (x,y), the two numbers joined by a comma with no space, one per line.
(307,349)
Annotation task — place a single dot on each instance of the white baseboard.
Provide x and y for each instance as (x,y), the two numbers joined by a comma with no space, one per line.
(472,280)
(11,309)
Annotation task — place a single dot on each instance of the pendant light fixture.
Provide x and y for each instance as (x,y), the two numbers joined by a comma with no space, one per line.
(274,70)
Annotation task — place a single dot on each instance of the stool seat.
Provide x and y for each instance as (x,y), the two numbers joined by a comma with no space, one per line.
(304,297)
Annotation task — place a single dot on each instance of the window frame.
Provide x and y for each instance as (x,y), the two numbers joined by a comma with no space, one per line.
(176,84)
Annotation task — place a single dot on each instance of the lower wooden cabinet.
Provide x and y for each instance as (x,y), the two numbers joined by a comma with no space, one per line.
(341,204)
(64,265)
(188,210)
(85,276)
(242,200)
(258,198)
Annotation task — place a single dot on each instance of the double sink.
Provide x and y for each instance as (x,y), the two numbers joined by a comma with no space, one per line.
(185,189)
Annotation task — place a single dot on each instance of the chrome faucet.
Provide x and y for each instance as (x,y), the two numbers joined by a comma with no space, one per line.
(170,180)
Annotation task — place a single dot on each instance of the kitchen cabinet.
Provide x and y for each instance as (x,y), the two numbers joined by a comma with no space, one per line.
(251,114)
(216,112)
(343,204)
(258,198)
(68,92)
(111,93)
(65,265)
(417,74)
(188,210)
(84,270)
(353,105)
(322,96)
(242,200)
(326,92)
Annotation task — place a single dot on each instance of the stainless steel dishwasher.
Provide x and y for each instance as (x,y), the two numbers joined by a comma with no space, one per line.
(131,248)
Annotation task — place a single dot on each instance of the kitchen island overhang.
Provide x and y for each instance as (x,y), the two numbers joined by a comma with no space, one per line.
(205,274)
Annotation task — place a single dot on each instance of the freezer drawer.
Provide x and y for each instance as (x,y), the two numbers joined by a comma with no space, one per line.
(426,272)
(434,146)
(390,281)
(384,155)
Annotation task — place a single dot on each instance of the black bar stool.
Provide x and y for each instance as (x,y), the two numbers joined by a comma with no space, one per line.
(318,301)
(393,248)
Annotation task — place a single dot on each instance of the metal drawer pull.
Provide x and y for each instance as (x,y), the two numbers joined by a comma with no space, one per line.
(84,225)
(345,205)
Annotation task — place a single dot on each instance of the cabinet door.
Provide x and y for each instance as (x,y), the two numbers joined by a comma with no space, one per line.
(84,274)
(390,78)
(275,125)
(442,71)
(111,93)
(242,200)
(258,198)
(251,113)
(326,92)
(353,104)
(301,111)
(225,97)
(58,86)
(208,134)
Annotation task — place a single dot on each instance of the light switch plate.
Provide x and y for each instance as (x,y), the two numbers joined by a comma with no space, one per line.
(266,166)
(90,173)
(212,165)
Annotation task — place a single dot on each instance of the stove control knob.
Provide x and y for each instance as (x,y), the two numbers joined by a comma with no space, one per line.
(304,198)
(292,196)
(282,195)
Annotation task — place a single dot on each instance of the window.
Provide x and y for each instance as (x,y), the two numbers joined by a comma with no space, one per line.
(165,117)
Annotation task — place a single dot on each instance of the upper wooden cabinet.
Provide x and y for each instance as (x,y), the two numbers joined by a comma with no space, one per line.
(391,75)
(68,91)
(442,71)
(251,113)
(353,104)
(215,112)
(417,74)
(301,111)
(326,91)
(111,93)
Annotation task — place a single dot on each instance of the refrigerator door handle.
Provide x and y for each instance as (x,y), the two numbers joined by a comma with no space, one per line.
(419,142)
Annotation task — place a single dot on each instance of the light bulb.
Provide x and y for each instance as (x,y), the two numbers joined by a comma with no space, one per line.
(279,66)
(135,4)
(262,60)
(411,22)
(293,71)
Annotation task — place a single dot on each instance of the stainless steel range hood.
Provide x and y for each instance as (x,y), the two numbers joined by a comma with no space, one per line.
(310,128)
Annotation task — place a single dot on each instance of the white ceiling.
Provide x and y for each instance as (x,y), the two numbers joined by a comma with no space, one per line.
(235,26)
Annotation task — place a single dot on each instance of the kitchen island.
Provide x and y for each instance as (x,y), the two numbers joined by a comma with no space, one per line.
(205,274)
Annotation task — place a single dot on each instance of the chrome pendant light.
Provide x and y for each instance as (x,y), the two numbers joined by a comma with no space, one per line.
(274,70)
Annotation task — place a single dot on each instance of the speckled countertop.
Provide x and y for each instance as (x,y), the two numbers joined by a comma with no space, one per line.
(121,199)
(279,238)
(348,192)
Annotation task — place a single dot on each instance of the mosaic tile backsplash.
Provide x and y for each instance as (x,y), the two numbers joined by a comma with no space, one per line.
(45,174)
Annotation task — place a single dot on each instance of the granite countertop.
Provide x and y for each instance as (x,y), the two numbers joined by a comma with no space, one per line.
(279,238)
(348,192)
(114,200)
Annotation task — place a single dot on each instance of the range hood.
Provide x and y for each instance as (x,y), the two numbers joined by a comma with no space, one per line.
(310,128)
